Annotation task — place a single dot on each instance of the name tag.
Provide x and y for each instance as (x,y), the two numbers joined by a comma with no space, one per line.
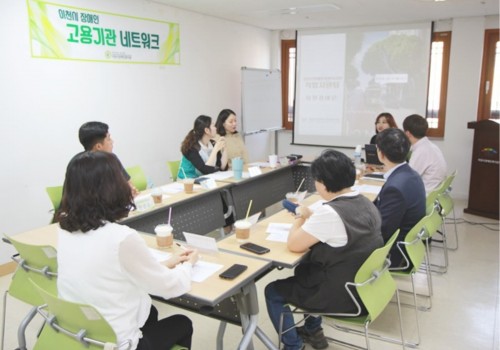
(254,171)
(209,184)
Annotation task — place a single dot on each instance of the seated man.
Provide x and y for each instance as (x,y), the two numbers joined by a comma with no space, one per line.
(95,136)
(426,158)
(401,200)
(340,235)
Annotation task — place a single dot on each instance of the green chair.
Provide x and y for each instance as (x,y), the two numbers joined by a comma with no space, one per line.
(137,177)
(173,167)
(375,287)
(447,205)
(415,255)
(38,263)
(55,195)
(73,326)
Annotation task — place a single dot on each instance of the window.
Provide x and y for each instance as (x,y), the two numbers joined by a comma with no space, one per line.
(489,91)
(288,81)
(438,83)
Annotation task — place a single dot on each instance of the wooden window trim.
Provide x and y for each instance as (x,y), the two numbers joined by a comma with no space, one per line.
(285,68)
(487,70)
(446,38)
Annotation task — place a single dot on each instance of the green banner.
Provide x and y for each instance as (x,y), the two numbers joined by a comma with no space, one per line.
(72,33)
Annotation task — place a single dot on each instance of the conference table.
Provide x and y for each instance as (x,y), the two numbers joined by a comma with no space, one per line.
(204,297)
(232,301)
(204,211)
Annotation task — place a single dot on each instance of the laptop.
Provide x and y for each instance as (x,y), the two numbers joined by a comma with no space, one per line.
(371,155)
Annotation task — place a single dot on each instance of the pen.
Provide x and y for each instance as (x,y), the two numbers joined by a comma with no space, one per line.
(181,246)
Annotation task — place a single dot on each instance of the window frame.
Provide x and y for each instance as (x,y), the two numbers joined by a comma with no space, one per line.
(285,69)
(487,70)
(444,37)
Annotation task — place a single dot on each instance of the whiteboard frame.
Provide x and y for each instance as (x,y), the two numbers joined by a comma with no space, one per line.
(270,110)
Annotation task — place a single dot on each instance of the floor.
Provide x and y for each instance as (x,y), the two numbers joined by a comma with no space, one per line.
(464,315)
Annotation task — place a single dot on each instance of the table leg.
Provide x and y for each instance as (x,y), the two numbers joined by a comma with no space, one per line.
(220,334)
(248,305)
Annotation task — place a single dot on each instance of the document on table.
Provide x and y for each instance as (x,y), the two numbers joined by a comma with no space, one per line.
(204,269)
(259,164)
(367,188)
(175,187)
(201,270)
(278,232)
(220,175)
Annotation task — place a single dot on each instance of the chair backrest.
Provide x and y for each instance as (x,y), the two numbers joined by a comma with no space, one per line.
(55,195)
(137,177)
(173,167)
(413,242)
(38,263)
(448,181)
(431,199)
(374,282)
(71,319)
(432,223)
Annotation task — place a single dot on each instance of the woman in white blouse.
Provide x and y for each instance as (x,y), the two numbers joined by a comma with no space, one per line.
(108,265)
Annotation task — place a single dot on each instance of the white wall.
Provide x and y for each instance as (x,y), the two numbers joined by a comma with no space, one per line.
(149,108)
(461,108)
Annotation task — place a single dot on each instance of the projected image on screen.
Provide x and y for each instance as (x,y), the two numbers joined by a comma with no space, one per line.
(345,78)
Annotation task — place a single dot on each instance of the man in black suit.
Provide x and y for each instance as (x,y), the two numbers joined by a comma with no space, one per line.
(401,200)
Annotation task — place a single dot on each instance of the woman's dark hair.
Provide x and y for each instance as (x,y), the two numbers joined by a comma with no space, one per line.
(221,119)
(194,135)
(390,120)
(333,169)
(394,144)
(95,191)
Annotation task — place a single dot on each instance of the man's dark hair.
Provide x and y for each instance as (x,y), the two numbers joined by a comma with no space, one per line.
(334,170)
(416,125)
(92,133)
(95,192)
(394,144)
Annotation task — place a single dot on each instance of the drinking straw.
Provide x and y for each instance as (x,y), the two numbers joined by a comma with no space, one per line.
(169,215)
(248,211)
(185,176)
(297,192)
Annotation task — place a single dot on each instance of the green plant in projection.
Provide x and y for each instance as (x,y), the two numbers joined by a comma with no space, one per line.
(50,41)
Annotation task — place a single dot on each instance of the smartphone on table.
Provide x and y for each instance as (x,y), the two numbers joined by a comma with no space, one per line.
(233,272)
(255,248)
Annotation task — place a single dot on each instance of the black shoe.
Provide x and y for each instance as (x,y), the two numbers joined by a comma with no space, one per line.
(316,340)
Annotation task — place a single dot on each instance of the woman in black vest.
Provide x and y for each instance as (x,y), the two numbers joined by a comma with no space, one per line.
(340,235)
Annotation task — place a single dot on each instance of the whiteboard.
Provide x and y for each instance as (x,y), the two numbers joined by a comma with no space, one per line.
(260,99)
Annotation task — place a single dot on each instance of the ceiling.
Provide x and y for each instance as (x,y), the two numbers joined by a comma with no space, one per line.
(297,14)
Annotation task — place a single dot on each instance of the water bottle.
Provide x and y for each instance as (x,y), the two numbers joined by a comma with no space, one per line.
(357,157)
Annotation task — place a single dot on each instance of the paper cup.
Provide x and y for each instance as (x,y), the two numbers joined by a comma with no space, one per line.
(157,195)
(293,197)
(188,185)
(242,229)
(273,160)
(164,237)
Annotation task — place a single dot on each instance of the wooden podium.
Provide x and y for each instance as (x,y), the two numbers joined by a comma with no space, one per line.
(483,188)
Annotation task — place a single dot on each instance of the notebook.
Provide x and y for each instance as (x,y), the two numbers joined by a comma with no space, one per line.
(371,155)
